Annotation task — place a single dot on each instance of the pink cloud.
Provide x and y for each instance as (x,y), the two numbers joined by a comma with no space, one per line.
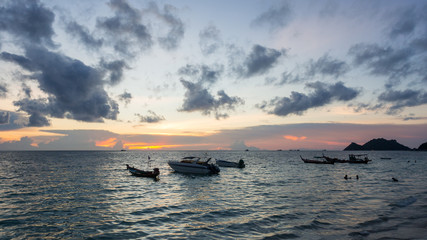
(294,138)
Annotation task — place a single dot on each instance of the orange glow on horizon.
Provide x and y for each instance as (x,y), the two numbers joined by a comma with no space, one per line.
(32,133)
(185,133)
(145,146)
(294,138)
(111,142)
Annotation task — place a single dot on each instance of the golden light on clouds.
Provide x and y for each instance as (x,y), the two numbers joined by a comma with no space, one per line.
(294,138)
(110,143)
(156,146)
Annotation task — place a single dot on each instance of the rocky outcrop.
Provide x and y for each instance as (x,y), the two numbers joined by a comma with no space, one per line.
(379,144)
(423,147)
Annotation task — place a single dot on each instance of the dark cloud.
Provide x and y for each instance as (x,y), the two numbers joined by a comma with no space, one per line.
(198,98)
(359,107)
(130,30)
(298,103)
(3,90)
(4,117)
(412,116)
(27,90)
(37,119)
(405,22)
(83,34)
(209,40)
(38,109)
(125,30)
(20,60)
(202,73)
(383,61)
(288,77)
(75,90)
(114,70)
(420,43)
(275,17)
(125,97)
(12,120)
(327,66)
(152,117)
(402,99)
(175,33)
(259,61)
(28,20)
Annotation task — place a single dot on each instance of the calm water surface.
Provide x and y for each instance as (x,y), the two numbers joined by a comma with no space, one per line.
(90,195)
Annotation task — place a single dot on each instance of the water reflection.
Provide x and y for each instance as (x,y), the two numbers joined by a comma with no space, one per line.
(91,194)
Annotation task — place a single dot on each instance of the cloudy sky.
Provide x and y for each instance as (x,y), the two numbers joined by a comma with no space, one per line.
(211,74)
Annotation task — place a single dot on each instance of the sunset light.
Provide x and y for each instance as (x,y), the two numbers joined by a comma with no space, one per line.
(205,119)
(177,75)
(294,138)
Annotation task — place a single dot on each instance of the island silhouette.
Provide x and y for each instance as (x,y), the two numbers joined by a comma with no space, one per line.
(381,144)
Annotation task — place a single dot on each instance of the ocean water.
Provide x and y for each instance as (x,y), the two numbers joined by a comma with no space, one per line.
(91,195)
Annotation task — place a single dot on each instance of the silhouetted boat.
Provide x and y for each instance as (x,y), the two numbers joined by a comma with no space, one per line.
(223,163)
(142,173)
(316,161)
(352,158)
(194,165)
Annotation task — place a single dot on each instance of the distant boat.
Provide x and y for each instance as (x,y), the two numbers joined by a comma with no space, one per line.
(223,163)
(194,165)
(316,161)
(352,158)
(335,160)
(386,158)
(142,173)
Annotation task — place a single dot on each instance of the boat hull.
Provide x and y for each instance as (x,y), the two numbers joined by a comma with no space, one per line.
(193,168)
(315,161)
(223,163)
(352,159)
(141,173)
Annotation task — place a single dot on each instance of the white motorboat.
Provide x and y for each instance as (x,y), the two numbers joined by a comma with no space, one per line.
(194,165)
(223,163)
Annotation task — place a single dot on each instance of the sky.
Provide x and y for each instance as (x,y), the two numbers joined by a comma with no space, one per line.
(211,75)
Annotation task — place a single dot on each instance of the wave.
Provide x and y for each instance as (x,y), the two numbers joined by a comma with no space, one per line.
(404,202)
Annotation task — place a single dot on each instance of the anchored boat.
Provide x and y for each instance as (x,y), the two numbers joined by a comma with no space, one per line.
(194,165)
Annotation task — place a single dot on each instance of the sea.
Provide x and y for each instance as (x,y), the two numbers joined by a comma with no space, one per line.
(91,195)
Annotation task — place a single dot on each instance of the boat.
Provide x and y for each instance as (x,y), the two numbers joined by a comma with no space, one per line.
(223,163)
(194,165)
(141,173)
(335,160)
(316,161)
(352,158)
